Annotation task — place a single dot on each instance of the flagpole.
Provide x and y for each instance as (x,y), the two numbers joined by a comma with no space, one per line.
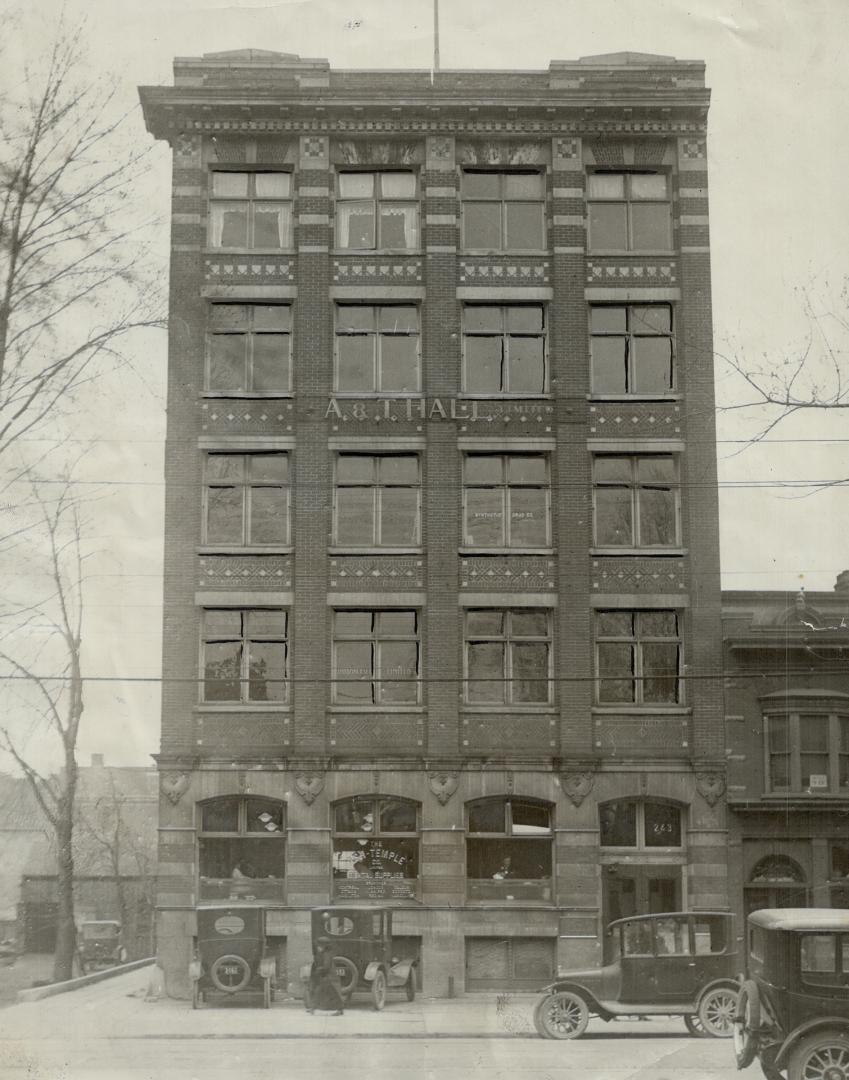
(436,35)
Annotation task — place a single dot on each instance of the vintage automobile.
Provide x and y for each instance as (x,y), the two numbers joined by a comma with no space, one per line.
(793,1009)
(99,945)
(670,964)
(231,955)
(361,941)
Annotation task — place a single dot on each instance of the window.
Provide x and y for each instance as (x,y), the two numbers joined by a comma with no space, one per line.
(377,349)
(241,847)
(249,349)
(641,824)
(508,850)
(378,500)
(629,212)
(251,210)
(638,657)
(247,499)
(504,349)
(375,848)
(775,882)
(377,210)
(245,655)
(506,500)
(503,211)
(808,752)
(508,657)
(376,657)
(632,349)
(839,875)
(636,500)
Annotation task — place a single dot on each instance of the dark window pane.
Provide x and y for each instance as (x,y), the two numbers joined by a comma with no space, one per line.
(658,623)
(267,671)
(356,221)
(271,363)
(779,771)
(269,516)
(529,624)
(660,673)
(486,667)
(399,368)
(524,227)
(227,362)
(485,623)
(528,517)
(656,468)
(222,670)
(530,672)
(663,825)
(220,815)
(397,815)
(353,814)
(485,517)
(487,817)
(779,734)
(399,226)
(813,734)
(484,365)
(355,516)
(615,624)
(229,222)
(526,360)
(482,225)
(529,817)
(610,365)
(263,816)
(399,516)
(651,227)
(224,515)
(608,227)
(657,517)
(652,365)
(618,823)
(613,517)
(615,670)
(271,225)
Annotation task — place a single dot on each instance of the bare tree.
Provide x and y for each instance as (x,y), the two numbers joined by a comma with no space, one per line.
(53,702)
(73,284)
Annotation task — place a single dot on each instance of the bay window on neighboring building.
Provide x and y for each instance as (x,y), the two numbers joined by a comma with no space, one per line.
(508,656)
(503,211)
(376,842)
(377,211)
(838,876)
(249,350)
(631,349)
(377,349)
(246,499)
(807,752)
(504,349)
(250,210)
(376,657)
(509,849)
(636,500)
(245,656)
(506,500)
(241,848)
(629,211)
(641,824)
(638,657)
(378,500)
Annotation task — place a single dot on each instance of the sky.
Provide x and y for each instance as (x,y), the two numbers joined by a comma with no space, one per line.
(778,159)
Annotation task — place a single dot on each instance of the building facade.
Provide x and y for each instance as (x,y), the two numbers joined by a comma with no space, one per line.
(787,697)
(441,524)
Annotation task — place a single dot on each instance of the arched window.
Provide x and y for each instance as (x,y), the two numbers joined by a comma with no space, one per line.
(776,881)
(375,848)
(643,824)
(241,848)
(509,849)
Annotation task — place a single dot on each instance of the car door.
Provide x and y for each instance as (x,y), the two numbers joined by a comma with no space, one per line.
(674,975)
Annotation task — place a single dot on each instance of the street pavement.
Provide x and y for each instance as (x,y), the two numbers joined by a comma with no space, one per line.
(109,1031)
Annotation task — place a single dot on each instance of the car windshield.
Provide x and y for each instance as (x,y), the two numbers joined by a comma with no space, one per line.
(99,930)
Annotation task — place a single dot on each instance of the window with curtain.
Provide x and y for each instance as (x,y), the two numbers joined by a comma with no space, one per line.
(250,210)
(377,211)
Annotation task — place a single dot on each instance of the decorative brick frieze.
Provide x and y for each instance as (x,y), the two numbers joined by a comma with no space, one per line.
(620,574)
(378,573)
(510,573)
(390,731)
(359,270)
(260,416)
(657,419)
(249,270)
(240,571)
(241,735)
(642,736)
(637,271)
(491,270)
(526,732)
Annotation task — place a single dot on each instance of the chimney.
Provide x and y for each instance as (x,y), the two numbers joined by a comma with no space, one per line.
(841,586)
(97,761)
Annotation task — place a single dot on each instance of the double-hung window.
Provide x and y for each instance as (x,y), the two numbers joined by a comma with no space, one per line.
(506,500)
(377,211)
(632,349)
(249,349)
(247,499)
(378,500)
(508,656)
(807,752)
(376,655)
(251,210)
(638,657)
(504,349)
(245,655)
(629,211)
(503,211)
(377,349)
(636,500)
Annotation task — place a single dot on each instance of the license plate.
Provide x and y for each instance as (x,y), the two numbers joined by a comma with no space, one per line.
(230,969)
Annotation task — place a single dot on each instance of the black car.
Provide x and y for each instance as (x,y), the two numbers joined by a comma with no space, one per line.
(793,1010)
(230,954)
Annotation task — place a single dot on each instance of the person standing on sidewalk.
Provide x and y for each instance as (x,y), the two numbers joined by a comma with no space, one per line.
(325,989)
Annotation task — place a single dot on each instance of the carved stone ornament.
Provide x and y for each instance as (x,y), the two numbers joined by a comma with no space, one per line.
(576,786)
(174,785)
(443,785)
(309,786)
(711,786)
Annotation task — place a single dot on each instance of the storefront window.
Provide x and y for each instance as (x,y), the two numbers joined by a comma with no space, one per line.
(375,849)
(241,848)
(508,850)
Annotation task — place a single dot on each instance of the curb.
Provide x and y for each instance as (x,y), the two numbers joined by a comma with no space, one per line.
(37,993)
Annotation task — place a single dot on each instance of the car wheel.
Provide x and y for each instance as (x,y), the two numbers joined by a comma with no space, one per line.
(230,973)
(695,1026)
(747,1022)
(561,1015)
(378,990)
(768,1068)
(716,1011)
(822,1055)
(346,972)
(410,986)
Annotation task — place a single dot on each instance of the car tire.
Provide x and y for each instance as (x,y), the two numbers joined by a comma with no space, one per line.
(410,986)
(562,1014)
(378,990)
(695,1026)
(350,976)
(747,1022)
(767,1063)
(820,1054)
(716,1011)
(230,985)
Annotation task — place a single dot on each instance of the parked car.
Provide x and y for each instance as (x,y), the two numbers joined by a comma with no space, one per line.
(793,1009)
(676,963)
(99,945)
(231,954)
(364,959)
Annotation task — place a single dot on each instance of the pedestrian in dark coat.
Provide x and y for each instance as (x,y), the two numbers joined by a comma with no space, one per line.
(325,989)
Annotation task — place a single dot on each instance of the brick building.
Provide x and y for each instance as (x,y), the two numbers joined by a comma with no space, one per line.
(787,697)
(441,547)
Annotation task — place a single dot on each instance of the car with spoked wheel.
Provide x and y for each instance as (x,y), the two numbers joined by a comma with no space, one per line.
(231,954)
(667,964)
(793,1010)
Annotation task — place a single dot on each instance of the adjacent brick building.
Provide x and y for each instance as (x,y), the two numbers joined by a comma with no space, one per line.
(442,609)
